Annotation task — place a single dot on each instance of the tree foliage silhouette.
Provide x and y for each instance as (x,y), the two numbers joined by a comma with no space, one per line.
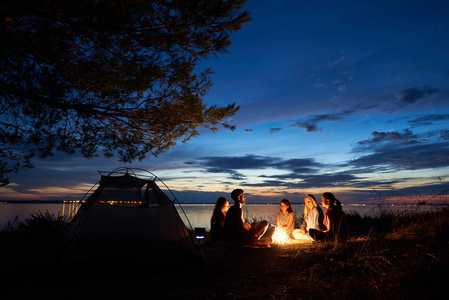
(116,78)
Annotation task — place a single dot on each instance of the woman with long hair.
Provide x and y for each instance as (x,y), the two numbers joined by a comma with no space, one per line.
(313,218)
(334,220)
(286,218)
(217,220)
(333,202)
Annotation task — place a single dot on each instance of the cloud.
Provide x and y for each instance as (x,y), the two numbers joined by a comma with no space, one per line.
(404,150)
(327,180)
(298,165)
(216,164)
(236,162)
(275,130)
(199,196)
(342,179)
(419,68)
(341,88)
(229,164)
(311,124)
(308,126)
(429,119)
(233,174)
(444,134)
(405,138)
(412,95)
(304,172)
(410,157)
(233,164)
(388,152)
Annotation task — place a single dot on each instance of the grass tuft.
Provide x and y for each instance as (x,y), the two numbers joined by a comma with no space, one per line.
(40,226)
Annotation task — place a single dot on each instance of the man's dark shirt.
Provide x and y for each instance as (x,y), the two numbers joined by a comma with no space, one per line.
(233,226)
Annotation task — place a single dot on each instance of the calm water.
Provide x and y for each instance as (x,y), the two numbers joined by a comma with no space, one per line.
(198,215)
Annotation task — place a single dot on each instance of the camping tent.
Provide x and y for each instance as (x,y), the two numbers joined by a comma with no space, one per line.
(127,215)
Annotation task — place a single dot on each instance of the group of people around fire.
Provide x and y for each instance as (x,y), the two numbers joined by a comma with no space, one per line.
(228,223)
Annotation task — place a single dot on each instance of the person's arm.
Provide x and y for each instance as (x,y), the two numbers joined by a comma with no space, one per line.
(277,221)
(291,220)
(222,220)
(328,223)
(313,219)
(305,223)
(246,225)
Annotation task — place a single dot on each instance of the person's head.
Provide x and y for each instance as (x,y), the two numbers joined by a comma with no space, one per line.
(220,209)
(333,201)
(285,206)
(329,197)
(310,201)
(222,204)
(327,200)
(238,195)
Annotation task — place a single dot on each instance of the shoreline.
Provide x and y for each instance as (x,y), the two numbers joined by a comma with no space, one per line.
(248,204)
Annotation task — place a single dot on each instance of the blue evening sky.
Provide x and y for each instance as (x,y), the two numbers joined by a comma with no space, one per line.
(349,97)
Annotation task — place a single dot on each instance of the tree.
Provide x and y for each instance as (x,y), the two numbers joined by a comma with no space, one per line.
(111,77)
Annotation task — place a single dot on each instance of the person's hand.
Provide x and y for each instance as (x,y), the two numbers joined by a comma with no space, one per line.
(247,226)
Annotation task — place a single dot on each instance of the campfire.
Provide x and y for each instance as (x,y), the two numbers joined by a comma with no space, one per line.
(280,237)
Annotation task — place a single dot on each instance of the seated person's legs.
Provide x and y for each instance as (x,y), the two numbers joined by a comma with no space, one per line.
(299,235)
(260,228)
(317,235)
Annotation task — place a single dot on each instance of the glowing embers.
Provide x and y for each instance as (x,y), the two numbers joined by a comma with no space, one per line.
(280,237)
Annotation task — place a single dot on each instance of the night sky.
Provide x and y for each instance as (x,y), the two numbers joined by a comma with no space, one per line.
(349,97)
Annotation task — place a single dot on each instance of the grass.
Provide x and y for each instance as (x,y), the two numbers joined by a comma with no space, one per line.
(40,226)
(394,255)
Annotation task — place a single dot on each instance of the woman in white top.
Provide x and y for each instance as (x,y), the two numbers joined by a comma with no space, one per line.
(285,220)
(313,218)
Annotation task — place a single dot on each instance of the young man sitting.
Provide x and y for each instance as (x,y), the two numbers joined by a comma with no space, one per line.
(235,227)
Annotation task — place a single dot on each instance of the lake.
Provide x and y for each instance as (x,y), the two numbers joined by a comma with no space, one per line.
(196,215)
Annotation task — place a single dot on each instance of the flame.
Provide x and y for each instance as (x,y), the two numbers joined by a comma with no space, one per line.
(280,237)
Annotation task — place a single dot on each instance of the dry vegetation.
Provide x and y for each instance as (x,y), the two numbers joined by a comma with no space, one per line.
(392,256)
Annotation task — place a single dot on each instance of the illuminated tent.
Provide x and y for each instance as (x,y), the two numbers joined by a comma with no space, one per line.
(127,215)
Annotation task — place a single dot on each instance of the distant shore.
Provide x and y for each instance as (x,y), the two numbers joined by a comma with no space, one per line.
(211,203)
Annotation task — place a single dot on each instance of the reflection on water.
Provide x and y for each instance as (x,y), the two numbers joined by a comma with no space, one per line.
(21,211)
(70,208)
(198,215)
